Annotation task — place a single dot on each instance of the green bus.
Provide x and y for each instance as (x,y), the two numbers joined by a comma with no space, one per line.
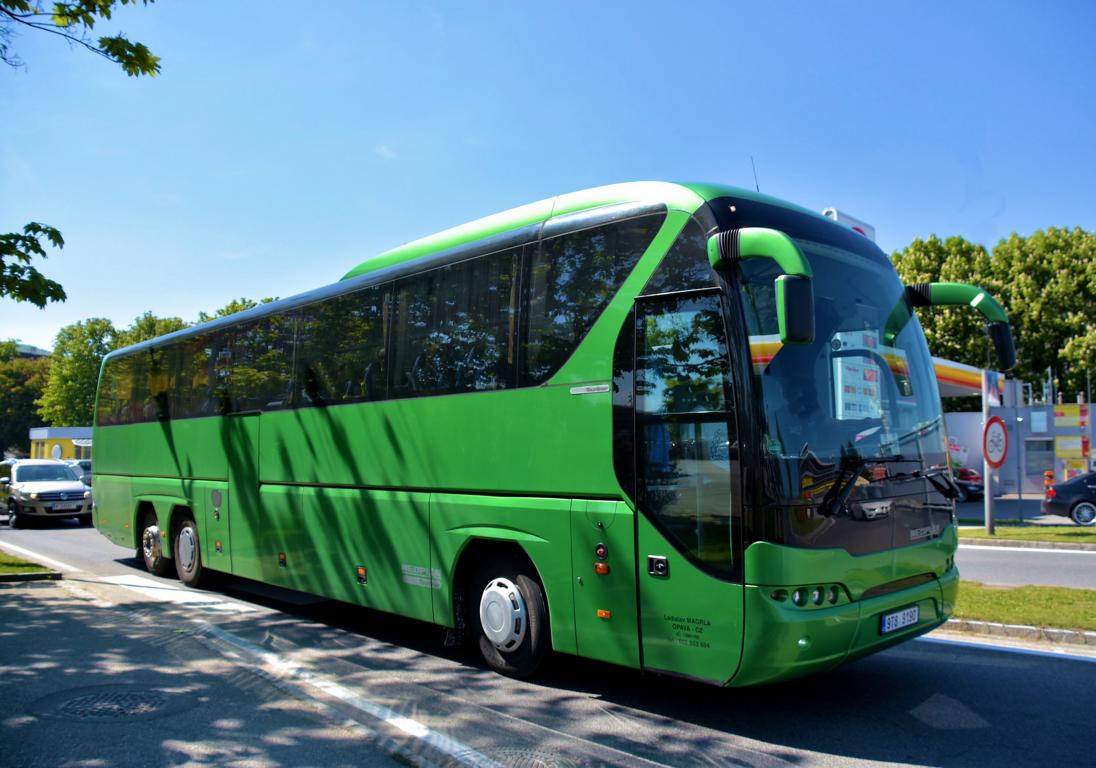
(678,427)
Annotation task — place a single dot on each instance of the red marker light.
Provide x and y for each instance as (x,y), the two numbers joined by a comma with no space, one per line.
(601,569)
(603,614)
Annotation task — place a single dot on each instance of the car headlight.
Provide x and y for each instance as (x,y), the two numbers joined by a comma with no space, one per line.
(87,494)
(32,496)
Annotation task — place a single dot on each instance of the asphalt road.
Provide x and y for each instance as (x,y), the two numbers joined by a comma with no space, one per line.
(1017,566)
(924,703)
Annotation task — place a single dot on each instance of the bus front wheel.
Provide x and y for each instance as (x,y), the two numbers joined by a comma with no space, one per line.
(511,614)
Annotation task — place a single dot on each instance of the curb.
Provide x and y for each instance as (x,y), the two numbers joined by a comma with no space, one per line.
(12,578)
(1022,632)
(1027,544)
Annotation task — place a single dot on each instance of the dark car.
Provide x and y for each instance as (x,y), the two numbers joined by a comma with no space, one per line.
(968,491)
(1075,499)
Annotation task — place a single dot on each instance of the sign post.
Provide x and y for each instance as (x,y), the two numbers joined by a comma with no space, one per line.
(994,451)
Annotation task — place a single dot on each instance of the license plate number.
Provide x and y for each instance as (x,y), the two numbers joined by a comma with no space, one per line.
(67,506)
(899,619)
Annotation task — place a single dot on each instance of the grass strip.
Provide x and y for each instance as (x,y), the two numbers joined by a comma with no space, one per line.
(13,564)
(1073,534)
(1058,607)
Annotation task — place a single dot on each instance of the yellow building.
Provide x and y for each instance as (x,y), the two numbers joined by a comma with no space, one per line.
(60,443)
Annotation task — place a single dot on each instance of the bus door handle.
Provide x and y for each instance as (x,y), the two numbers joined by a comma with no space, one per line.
(658,566)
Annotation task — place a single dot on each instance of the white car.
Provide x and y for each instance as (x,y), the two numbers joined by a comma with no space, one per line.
(42,488)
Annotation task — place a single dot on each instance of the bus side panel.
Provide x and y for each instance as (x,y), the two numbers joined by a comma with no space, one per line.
(540,526)
(114,506)
(613,637)
(509,441)
(192,448)
(326,534)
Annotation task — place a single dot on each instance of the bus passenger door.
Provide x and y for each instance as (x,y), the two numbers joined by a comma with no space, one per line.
(687,488)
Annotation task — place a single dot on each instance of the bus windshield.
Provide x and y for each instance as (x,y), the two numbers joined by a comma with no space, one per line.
(862,390)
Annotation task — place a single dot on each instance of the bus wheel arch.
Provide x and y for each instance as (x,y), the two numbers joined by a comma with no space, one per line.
(500,602)
(149,540)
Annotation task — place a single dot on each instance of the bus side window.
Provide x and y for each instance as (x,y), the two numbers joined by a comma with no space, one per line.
(569,281)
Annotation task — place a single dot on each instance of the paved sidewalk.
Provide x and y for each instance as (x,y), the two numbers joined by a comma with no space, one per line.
(88,683)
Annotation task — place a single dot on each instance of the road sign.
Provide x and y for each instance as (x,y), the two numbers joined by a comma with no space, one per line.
(995,442)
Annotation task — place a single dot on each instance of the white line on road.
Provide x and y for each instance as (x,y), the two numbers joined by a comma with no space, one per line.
(1028,549)
(40,559)
(990,646)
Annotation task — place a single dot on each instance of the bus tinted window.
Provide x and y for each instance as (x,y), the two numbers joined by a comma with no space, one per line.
(456,328)
(570,280)
(262,363)
(341,348)
(685,266)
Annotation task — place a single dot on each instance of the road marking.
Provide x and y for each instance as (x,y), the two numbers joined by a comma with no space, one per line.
(1028,549)
(166,593)
(447,745)
(40,559)
(1060,655)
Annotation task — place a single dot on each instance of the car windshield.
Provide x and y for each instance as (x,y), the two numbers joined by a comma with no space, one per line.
(42,473)
(865,388)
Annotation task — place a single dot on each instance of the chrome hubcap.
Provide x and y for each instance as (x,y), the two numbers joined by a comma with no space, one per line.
(1085,514)
(186,549)
(502,614)
(150,543)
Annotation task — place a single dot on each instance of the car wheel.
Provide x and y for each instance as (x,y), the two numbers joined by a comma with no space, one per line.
(963,495)
(84,519)
(1083,513)
(188,557)
(15,520)
(150,549)
(509,609)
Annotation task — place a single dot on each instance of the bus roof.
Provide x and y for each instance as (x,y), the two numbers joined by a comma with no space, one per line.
(679,196)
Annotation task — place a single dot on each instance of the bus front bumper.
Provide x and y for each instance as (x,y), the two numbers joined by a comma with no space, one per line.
(793,641)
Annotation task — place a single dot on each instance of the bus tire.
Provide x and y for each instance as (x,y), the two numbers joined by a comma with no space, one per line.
(510,616)
(188,556)
(149,549)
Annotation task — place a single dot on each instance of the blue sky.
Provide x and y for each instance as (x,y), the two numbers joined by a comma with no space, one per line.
(280,146)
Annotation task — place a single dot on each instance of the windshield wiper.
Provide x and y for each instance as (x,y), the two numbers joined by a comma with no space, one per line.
(836,500)
(938,477)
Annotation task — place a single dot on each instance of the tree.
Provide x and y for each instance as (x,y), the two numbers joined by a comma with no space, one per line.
(72,22)
(1049,291)
(148,326)
(69,396)
(22,381)
(231,308)
(954,333)
(1046,282)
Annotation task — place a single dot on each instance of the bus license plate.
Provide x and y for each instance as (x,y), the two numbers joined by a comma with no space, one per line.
(899,619)
(67,506)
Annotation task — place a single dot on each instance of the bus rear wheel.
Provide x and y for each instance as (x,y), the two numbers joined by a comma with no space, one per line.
(510,614)
(150,549)
(188,556)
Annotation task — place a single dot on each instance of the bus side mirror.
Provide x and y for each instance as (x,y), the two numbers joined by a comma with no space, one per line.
(997,327)
(1001,336)
(794,288)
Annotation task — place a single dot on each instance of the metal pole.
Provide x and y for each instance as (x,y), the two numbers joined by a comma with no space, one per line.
(987,494)
(1019,461)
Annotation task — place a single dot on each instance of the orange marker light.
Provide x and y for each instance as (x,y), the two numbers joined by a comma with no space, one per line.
(601,569)
(603,614)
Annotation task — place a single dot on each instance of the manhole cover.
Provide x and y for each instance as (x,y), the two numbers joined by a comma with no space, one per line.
(111,703)
(527,758)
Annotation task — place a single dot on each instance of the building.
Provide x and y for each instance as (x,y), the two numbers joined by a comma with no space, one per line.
(60,443)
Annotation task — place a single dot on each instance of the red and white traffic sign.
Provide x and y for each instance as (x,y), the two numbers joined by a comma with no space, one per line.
(995,442)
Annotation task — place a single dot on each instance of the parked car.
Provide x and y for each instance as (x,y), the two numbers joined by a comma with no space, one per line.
(968,474)
(41,489)
(1075,499)
(969,490)
(82,468)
